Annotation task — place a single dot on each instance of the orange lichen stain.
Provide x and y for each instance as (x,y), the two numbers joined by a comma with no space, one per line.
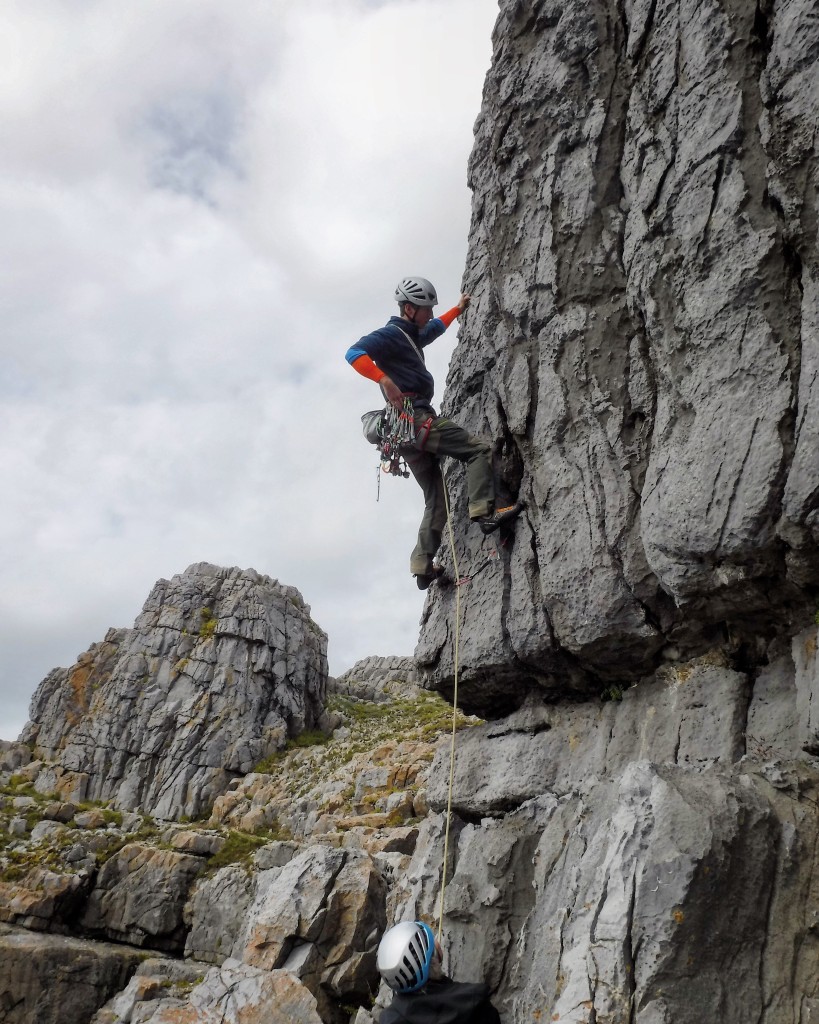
(537,1014)
(78,680)
(810,645)
(573,740)
(683,674)
(678,916)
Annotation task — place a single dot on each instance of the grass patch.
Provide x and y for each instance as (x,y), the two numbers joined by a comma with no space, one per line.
(19,785)
(308,738)
(240,848)
(209,624)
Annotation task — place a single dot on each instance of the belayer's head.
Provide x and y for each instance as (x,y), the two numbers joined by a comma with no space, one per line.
(415,297)
(407,955)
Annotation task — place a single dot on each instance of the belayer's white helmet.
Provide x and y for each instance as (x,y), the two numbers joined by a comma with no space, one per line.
(404,955)
(416,290)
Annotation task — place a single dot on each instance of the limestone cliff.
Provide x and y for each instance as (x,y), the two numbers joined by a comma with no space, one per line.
(643,343)
(635,828)
(221,667)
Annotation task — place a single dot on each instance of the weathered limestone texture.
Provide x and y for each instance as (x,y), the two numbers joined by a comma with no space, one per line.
(644,341)
(632,861)
(237,994)
(378,679)
(155,985)
(139,897)
(220,668)
(648,858)
(49,979)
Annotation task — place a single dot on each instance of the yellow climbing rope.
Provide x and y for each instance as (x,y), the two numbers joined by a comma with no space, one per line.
(454,705)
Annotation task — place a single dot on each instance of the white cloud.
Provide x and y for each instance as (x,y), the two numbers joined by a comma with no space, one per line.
(201,206)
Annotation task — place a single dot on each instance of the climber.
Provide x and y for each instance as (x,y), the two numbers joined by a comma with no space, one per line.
(392,356)
(409,960)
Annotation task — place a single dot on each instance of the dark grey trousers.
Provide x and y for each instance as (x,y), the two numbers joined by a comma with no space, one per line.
(447,438)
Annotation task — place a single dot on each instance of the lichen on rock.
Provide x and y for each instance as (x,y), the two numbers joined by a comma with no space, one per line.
(220,668)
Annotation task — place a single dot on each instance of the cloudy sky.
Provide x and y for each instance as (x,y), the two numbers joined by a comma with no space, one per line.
(202,205)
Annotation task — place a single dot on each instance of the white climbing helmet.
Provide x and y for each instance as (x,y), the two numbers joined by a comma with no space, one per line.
(416,290)
(404,955)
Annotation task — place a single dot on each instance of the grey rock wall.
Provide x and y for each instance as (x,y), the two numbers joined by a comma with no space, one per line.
(646,860)
(50,979)
(643,344)
(221,667)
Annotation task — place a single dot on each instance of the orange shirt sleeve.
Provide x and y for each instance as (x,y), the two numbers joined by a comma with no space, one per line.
(367,368)
(450,315)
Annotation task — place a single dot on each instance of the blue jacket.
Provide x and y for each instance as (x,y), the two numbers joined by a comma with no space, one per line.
(392,353)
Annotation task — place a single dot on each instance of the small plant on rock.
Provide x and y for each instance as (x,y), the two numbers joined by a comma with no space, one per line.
(209,623)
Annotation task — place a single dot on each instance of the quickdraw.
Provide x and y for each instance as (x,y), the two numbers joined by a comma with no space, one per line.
(398,431)
(493,556)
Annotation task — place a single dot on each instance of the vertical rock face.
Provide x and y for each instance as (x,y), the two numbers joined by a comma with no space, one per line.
(220,668)
(643,345)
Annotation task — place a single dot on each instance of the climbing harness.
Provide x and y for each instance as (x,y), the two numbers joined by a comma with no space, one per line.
(390,430)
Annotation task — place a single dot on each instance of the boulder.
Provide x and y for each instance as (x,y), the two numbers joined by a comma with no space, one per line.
(139,897)
(236,993)
(91,819)
(155,984)
(216,914)
(320,917)
(43,899)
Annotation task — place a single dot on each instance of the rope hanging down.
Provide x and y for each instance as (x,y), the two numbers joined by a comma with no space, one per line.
(454,706)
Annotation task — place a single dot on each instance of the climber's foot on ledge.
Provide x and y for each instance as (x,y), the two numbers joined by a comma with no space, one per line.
(423,580)
(500,516)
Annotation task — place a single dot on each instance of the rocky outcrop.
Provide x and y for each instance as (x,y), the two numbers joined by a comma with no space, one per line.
(643,342)
(289,915)
(234,994)
(221,667)
(50,979)
(13,755)
(124,906)
(378,679)
(647,857)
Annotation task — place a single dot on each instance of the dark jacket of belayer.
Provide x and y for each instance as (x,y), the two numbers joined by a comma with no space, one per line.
(442,1002)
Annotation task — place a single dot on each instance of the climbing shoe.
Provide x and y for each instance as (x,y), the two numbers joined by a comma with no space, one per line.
(423,580)
(489,524)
